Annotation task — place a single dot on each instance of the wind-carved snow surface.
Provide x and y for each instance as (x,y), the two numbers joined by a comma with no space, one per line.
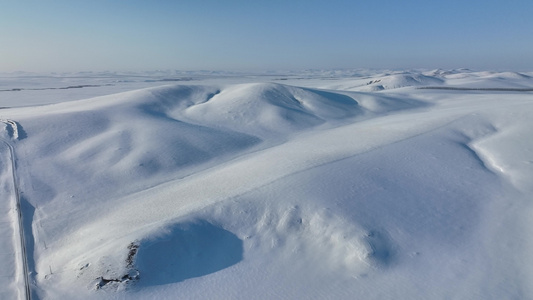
(11,128)
(262,190)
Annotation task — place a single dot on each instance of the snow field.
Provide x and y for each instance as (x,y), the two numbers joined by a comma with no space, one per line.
(264,190)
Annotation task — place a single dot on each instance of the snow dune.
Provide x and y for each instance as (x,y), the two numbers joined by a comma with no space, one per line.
(262,190)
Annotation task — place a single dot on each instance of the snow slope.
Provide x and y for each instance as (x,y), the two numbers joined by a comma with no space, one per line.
(262,190)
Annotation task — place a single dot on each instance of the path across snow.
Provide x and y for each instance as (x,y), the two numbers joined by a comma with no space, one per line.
(12,278)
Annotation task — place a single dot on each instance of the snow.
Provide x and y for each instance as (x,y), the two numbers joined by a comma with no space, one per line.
(9,247)
(312,185)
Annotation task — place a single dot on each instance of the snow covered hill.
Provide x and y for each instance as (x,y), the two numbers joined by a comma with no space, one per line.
(262,190)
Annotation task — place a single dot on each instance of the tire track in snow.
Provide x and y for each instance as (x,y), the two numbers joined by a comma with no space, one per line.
(24,260)
(9,273)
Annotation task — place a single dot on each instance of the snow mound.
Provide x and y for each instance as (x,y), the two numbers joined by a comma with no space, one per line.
(271,109)
(140,138)
(489,80)
(294,233)
(395,81)
(125,138)
(388,81)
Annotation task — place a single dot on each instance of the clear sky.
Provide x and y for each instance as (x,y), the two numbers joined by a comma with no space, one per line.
(97,35)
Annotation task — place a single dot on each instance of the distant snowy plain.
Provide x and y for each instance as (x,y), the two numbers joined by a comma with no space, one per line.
(310,185)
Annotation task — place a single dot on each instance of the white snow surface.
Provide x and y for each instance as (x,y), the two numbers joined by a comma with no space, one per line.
(312,185)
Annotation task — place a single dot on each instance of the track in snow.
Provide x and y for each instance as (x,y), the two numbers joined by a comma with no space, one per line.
(14,275)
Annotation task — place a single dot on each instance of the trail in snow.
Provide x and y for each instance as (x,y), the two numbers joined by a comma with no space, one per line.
(15,282)
(9,251)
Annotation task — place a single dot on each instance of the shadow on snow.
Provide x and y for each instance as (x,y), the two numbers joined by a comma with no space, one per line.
(186,251)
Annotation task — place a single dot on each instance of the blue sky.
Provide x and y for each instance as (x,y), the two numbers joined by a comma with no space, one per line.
(135,35)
